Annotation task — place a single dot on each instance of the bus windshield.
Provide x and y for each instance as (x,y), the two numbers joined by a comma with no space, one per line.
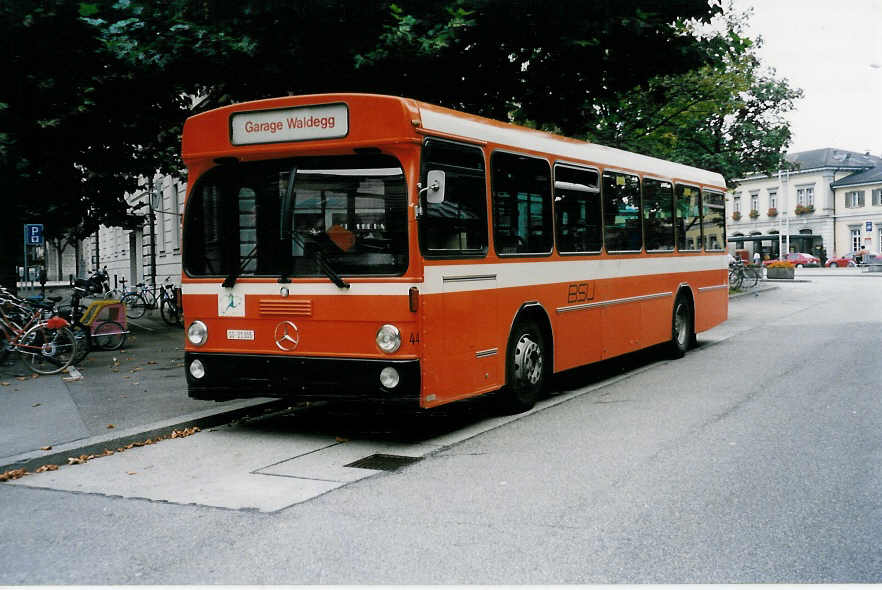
(341,215)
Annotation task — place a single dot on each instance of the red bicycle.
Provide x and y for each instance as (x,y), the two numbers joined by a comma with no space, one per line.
(45,346)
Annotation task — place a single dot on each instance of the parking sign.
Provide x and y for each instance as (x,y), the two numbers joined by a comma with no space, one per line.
(33,234)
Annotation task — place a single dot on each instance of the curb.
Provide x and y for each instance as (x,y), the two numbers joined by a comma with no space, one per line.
(96,445)
(755,291)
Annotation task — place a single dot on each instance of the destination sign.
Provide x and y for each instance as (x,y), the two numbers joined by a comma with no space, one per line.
(327,121)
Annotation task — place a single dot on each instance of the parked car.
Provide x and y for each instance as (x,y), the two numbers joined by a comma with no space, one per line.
(852,259)
(845,260)
(798,259)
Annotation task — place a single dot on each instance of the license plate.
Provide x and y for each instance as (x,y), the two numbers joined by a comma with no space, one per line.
(240,334)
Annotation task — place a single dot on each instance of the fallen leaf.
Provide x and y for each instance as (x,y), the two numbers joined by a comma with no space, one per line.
(43,468)
(36,404)
(21,378)
(12,474)
(152,363)
(110,426)
(46,448)
(340,439)
(4,383)
(131,472)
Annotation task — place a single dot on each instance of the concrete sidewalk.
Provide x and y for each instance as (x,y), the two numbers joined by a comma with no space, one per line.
(124,396)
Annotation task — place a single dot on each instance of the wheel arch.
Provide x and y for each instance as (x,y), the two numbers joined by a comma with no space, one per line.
(685,290)
(534,311)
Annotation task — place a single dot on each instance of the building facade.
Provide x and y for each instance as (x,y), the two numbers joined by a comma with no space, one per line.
(859,212)
(794,210)
(130,254)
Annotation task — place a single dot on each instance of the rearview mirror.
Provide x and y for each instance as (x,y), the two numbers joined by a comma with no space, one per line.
(435,182)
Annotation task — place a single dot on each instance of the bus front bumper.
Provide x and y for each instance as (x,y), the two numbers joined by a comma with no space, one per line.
(232,376)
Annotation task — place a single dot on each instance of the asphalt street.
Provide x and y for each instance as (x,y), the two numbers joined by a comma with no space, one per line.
(756,458)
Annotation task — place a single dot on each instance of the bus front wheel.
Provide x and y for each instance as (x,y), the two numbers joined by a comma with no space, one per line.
(525,368)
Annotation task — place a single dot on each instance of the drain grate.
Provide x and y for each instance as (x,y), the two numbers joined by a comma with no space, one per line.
(381,462)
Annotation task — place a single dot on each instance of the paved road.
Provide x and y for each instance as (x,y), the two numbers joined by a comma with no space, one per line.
(754,459)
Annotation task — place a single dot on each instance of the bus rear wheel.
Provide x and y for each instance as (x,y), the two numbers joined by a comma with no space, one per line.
(525,368)
(681,327)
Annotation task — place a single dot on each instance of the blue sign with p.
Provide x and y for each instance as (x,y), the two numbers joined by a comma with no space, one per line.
(34,234)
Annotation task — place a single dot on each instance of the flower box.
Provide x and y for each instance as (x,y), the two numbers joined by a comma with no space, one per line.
(780,270)
(753,213)
(736,215)
(804,209)
(772,212)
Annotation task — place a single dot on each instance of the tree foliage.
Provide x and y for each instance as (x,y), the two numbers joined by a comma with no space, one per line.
(726,116)
(98,89)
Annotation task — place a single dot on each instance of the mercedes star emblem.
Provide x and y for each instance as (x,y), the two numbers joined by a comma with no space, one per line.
(287,336)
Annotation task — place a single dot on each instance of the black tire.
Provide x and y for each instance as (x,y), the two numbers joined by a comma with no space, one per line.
(83,336)
(109,335)
(682,328)
(735,279)
(48,351)
(525,368)
(750,278)
(169,313)
(136,307)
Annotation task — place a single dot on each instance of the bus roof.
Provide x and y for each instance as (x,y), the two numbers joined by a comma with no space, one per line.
(389,118)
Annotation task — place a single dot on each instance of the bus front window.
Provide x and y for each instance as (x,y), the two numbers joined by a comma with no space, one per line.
(341,216)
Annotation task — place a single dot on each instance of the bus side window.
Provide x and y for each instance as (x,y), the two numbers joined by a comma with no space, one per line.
(458,225)
(621,212)
(713,220)
(522,218)
(688,217)
(658,214)
(577,210)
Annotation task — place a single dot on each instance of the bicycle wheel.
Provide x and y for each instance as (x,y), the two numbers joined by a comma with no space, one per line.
(169,312)
(82,336)
(46,350)
(136,307)
(751,278)
(734,279)
(109,335)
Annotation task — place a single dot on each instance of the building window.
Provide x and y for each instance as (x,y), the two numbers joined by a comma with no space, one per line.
(773,199)
(855,238)
(805,196)
(754,201)
(854,199)
(736,204)
(877,196)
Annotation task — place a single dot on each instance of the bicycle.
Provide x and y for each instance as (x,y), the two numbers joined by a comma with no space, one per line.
(143,298)
(46,347)
(168,305)
(741,274)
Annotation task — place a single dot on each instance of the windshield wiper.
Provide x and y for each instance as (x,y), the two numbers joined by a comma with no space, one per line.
(231,278)
(287,234)
(329,272)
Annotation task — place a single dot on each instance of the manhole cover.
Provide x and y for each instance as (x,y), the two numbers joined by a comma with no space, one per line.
(381,462)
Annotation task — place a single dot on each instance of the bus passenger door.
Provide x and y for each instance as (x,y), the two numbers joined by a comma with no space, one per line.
(468,310)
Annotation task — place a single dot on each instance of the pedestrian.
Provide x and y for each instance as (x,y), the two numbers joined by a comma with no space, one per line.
(756,258)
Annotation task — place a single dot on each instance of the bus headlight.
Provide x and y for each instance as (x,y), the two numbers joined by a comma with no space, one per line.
(388,338)
(197,369)
(389,378)
(197,333)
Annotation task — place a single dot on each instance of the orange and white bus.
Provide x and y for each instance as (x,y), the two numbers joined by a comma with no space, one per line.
(374,247)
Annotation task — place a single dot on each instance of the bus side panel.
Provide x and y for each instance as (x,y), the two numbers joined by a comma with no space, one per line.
(461,355)
(712,307)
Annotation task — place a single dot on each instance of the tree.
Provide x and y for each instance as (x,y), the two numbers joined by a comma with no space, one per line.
(100,88)
(727,116)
